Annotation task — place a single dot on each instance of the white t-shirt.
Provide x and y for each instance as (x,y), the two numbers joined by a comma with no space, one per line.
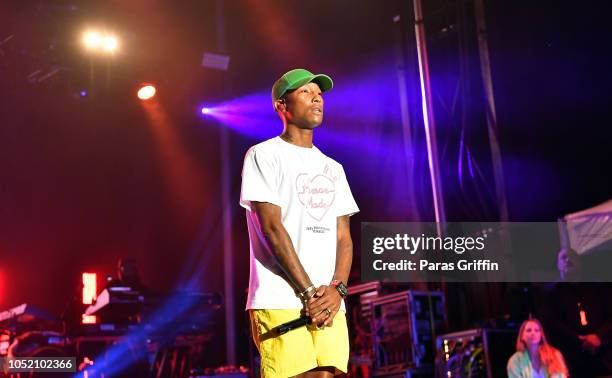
(312,191)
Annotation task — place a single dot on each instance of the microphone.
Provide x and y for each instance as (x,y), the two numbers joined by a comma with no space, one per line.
(297,323)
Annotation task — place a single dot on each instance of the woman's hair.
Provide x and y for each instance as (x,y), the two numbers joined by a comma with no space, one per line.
(549,356)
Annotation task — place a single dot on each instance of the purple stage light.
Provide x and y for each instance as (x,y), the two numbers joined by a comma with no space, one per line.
(251,115)
(83,93)
(359,101)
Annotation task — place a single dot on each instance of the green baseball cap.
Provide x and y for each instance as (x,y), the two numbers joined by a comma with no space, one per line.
(296,78)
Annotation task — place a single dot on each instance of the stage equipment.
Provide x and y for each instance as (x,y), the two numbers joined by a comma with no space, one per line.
(4,343)
(221,372)
(40,344)
(25,313)
(404,328)
(475,353)
(127,305)
(411,373)
(359,317)
(177,327)
(117,304)
(26,317)
(166,332)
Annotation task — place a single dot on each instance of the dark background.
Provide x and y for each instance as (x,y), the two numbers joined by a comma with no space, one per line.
(87,180)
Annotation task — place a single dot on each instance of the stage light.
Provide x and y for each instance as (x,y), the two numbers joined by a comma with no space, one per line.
(146,91)
(205,110)
(88,319)
(92,40)
(89,288)
(83,93)
(100,42)
(110,43)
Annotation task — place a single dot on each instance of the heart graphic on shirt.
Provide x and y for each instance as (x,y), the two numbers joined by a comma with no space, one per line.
(316,194)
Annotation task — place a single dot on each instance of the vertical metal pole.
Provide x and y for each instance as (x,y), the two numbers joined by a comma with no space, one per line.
(401,69)
(228,250)
(485,67)
(428,117)
(227,219)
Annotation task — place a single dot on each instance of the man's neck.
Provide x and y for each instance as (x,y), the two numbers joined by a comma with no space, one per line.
(300,137)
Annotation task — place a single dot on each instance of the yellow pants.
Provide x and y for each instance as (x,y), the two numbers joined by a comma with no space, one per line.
(301,349)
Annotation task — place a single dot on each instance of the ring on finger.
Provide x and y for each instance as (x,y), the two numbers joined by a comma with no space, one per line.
(327,311)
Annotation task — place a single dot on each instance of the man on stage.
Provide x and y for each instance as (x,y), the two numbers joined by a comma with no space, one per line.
(298,205)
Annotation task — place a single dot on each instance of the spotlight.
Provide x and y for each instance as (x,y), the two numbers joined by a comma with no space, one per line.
(89,287)
(205,110)
(100,42)
(88,319)
(83,93)
(110,43)
(92,40)
(146,91)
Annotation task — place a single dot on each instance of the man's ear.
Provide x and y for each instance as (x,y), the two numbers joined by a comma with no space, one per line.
(280,105)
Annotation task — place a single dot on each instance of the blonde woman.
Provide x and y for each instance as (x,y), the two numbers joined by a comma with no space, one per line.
(534,357)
